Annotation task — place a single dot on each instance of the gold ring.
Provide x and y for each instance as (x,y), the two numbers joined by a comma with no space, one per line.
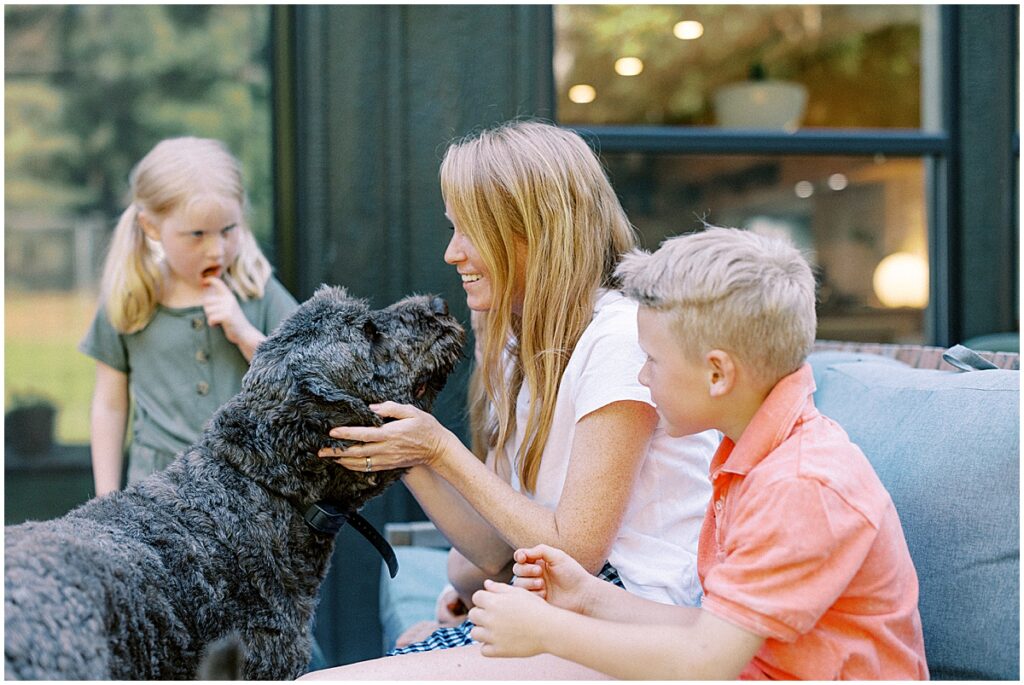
(369,465)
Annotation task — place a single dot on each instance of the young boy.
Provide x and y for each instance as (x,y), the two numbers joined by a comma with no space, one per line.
(805,570)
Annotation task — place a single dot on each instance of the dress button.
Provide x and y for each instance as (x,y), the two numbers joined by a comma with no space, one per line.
(202,387)
(201,356)
(197,323)
(718,507)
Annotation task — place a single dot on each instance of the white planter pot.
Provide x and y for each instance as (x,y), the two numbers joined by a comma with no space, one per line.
(761,104)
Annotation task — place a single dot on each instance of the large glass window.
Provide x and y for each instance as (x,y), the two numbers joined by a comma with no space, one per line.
(820,122)
(88,91)
(760,66)
(860,220)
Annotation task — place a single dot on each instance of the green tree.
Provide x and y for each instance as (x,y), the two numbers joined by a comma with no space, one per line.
(90,89)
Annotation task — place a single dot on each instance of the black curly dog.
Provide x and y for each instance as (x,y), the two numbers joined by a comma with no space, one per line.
(135,585)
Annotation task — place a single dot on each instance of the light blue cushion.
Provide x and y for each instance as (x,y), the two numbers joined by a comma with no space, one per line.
(410,596)
(946,444)
(820,361)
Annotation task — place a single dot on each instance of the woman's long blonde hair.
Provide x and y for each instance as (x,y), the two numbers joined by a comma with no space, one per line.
(533,184)
(170,176)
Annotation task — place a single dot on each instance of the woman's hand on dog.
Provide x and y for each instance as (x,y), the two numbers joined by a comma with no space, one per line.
(412,438)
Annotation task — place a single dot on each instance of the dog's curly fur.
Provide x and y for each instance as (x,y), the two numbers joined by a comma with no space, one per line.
(136,584)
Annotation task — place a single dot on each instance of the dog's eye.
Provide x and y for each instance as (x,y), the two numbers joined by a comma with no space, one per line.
(370,331)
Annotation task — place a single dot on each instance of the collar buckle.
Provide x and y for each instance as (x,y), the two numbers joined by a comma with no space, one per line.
(328,518)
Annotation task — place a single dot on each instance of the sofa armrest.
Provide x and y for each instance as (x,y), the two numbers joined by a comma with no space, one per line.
(415,534)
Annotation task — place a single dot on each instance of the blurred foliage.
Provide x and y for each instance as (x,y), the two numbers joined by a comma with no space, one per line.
(89,89)
(861,64)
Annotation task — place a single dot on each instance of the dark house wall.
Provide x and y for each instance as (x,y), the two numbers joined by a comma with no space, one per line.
(368,98)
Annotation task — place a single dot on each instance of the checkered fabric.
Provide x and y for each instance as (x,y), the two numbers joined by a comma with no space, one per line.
(458,636)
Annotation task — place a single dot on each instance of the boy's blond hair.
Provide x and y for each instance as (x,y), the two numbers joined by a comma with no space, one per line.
(172,175)
(534,184)
(733,290)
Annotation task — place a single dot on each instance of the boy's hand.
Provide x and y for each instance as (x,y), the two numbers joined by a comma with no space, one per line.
(553,575)
(508,621)
(222,309)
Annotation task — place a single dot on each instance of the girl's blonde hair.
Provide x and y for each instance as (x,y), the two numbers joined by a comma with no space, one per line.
(172,175)
(527,183)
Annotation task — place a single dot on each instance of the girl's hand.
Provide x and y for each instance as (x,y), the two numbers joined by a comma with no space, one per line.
(222,309)
(508,620)
(414,438)
(553,575)
(450,609)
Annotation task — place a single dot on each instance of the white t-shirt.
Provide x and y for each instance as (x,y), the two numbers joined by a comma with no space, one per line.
(655,552)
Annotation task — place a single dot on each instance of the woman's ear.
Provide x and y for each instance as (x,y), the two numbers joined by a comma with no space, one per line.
(721,371)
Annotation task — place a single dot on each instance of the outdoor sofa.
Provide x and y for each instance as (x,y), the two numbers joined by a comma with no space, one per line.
(944,437)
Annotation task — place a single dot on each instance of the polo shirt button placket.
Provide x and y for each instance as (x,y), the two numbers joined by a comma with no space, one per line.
(201,356)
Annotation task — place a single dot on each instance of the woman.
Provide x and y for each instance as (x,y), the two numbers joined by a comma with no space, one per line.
(575,453)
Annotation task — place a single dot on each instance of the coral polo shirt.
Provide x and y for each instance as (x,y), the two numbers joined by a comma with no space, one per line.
(801,544)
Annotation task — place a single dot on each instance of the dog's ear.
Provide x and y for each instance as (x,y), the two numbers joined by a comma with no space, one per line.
(314,394)
(316,387)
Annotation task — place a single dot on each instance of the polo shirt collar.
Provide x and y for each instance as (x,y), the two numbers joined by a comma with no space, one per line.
(773,422)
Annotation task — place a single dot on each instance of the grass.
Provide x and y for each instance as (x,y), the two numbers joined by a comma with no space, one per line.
(41,336)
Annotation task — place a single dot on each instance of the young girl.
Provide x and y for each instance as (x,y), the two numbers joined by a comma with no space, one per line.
(576,453)
(186,296)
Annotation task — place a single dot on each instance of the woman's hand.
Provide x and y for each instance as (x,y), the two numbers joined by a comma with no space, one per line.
(414,438)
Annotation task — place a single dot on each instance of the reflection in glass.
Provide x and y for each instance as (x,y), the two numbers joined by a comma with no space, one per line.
(857,66)
(855,217)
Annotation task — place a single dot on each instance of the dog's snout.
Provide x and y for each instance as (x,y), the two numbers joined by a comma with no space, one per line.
(439,306)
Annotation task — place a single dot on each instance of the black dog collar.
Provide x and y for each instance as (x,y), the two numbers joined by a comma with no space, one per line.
(327,518)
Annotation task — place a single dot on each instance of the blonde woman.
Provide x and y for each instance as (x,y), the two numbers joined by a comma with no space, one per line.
(576,455)
(186,296)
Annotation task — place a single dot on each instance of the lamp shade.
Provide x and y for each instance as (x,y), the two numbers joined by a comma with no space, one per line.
(901,280)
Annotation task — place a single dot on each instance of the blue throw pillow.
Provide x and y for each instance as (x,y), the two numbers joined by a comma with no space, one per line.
(946,444)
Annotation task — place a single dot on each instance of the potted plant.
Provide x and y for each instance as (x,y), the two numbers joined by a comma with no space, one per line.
(28,424)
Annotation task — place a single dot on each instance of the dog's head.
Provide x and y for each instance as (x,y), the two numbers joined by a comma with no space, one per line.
(323,365)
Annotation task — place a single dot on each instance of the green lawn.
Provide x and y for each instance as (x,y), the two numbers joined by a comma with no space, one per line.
(41,335)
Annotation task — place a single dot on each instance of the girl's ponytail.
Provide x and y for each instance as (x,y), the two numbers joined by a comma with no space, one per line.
(131,275)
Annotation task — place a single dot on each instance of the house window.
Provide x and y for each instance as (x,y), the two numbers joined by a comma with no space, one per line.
(778,66)
(859,219)
(88,91)
(821,123)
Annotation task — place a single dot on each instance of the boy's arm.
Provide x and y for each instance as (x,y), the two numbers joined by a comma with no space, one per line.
(685,643)
(700,646)
(108,422)
(552,574)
